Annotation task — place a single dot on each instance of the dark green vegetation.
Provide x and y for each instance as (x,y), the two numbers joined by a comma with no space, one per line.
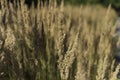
(115,3)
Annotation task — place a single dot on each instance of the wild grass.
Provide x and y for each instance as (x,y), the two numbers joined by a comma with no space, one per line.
(57,42)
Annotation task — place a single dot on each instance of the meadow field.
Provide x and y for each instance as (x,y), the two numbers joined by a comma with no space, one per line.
(57,42)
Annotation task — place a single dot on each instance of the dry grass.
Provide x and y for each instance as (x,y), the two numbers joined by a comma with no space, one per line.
(57,42)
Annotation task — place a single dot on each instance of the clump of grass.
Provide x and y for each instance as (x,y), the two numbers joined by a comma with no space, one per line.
(56,42)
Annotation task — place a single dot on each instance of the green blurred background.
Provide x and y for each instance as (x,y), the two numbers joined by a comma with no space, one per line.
(114,3)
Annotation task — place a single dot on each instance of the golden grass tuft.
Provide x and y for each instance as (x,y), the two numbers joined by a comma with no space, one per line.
(57,42)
